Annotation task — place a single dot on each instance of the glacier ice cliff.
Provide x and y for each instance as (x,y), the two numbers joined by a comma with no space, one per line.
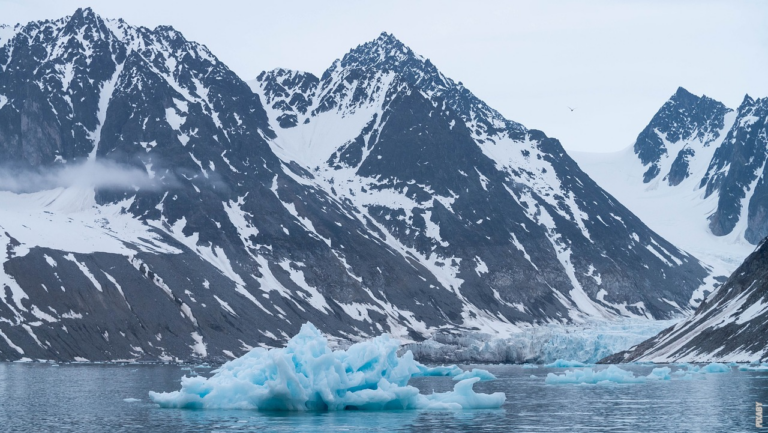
(586,343)
(308,375)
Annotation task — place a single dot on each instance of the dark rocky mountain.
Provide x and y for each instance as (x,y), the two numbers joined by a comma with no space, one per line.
(729,326)
(737,173)
(381,196)
(696,175)
(476,197)
(722,150)
(687,118)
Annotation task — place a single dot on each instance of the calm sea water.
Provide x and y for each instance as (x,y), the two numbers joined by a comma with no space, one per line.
(91,398)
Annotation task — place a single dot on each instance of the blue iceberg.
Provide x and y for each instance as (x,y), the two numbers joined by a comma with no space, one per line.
(562,363)
(308,375)
(660,373)
(754,367)
(612,374)
(716,367)
(483,375)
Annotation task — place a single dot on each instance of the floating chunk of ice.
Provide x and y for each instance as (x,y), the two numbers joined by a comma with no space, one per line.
(450,370)
(530,366)
(131,400)
(308,375)
(751,367)
(562,363)
(661,373)
(716,367)
(476,372)
(611,374)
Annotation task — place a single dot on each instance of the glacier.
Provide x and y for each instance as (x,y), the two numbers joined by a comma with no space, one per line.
(586,343)
(308,375)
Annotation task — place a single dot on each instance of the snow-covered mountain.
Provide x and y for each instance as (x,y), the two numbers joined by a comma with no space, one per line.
(696,175)
(160,208)
(729,326)
(455,185)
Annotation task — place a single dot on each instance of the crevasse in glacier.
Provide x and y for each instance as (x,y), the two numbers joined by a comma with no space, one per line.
(308,375)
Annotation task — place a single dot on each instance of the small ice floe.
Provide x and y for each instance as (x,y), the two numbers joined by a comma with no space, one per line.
(612,374)
(530,366)
(308,375)
(660,373)
(131,400)
(754,367)
(476,372)
(562,363)
(716,367)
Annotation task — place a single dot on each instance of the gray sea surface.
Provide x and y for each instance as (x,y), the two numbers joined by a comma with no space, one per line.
(113,398)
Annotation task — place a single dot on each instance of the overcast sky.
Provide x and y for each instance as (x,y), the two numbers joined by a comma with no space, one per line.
(614,62)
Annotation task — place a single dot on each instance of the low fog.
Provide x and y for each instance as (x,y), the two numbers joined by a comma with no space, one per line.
(96,174)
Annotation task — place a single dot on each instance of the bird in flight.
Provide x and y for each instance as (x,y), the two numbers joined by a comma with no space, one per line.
(571,108)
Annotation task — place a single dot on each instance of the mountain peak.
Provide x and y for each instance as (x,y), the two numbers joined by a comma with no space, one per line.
(682,91)
(684,96)
(85,19)
(747,100)
(388,39)
(85,16)
(386,51)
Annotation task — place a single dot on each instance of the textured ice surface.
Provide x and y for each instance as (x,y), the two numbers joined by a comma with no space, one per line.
(612,374)
(661,373)
(588,343)
(308,375)
(476,372)
(716,367)
(562,363)
(754,367)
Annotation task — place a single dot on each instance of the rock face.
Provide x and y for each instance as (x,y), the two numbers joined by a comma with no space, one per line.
(696,175)
(382,196)
(729,326)
(682,126)
(722,150)
(737,173)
